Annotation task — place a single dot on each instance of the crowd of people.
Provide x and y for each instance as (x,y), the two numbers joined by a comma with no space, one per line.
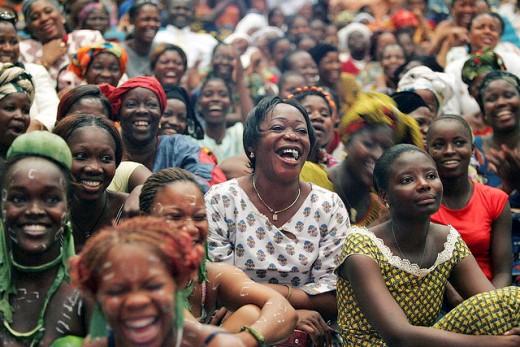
(253,173)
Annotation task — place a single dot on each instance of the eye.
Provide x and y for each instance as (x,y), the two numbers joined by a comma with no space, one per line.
(460,143)
(302,131)
(115,291)
(17,199)
(277,128)
(174,217)
(200,218)
(155,286)
(107,159)
(152,104)
(130,104)
(431,175)
(406,180)
(114,69)
(437,145)
(52,200)
(80,156)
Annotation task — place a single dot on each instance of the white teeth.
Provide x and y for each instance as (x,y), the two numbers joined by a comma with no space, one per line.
(91,183)
(294,153)
(139,323)
(34,227)
(450,162)
(141,123)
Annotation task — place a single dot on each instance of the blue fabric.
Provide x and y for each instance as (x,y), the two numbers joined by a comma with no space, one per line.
(492,179)
(509,34)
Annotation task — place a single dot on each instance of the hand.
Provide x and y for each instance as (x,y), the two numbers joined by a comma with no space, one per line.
(457,36)
(514,331)
(506,164)
(313,324)
(131,207)
(53,50)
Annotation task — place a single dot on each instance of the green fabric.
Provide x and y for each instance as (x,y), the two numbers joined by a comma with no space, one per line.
(68,341)
(482,61)
(43,144)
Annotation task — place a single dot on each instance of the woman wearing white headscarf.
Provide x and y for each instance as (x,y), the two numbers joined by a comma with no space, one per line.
(354,45)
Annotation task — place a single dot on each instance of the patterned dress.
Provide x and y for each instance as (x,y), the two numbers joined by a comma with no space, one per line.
(240,235)
(419,292)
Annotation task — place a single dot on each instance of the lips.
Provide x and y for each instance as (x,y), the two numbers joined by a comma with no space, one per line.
(91,186)
(290,154)
(34,229)
(141,330)
(426,199)
(141,124)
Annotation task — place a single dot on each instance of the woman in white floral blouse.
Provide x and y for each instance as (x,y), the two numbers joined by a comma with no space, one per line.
(281,231)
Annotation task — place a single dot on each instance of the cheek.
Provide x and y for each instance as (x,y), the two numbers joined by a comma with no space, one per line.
(111,306)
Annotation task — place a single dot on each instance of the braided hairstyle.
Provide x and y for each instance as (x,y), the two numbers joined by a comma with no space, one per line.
(301,93)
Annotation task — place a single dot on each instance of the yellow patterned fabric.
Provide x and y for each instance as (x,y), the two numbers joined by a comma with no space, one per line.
(419,292)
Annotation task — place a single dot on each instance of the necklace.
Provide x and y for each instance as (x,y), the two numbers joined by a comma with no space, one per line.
(401,252)
(87,233)
(37,268)
(275,213)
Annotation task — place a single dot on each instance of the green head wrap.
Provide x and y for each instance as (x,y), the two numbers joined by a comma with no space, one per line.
(482,61)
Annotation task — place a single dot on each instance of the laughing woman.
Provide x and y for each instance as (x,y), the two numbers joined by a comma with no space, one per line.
(279,230)
(37,304)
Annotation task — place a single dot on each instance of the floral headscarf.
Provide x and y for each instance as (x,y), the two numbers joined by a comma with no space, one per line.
(482,61)
(84,56)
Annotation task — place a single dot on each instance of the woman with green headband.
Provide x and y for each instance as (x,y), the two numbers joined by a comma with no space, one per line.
(176,194)
(37,302)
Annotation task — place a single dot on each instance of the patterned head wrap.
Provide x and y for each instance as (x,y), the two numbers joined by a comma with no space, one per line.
(93,6)
(116,95)
(422,77)
(379,109)
(404,18)
(14,79)
(85,55)
(493,76)
(482,61)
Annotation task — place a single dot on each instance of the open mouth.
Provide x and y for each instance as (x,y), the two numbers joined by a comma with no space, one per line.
(141,124)
(141,330)
(450,163)
(34,230)
(91,186)
(17,129)
(289,154)
(504,115)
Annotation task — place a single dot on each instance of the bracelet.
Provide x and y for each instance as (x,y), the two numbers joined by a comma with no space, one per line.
(211,336)
(256,334)
(289,291)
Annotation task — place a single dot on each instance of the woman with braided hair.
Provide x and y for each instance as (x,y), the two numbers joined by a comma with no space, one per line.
(135,272)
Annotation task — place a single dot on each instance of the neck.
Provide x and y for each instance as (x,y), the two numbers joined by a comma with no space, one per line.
(355,191)
(456,186)
(216,131)
(271,191)
(141,47)
(140,153)
(404,228)
(30,263)
(87,207)
(358,55)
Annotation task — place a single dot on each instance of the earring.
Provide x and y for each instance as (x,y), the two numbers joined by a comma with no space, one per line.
(252,155)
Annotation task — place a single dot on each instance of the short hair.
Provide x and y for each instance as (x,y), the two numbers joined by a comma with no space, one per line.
(136,7)
(166,47)
(286,63)
(257,115)
(449,117)
(286,75)
(319,51)
(493,76)
(385,162)
(66,127)
(75,95)
(160,179)
(174,248)
(490,13)
(212,77)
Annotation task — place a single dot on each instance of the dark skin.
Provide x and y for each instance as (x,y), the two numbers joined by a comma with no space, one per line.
(412,177)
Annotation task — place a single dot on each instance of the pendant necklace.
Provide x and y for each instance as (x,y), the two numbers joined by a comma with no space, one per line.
(275,213)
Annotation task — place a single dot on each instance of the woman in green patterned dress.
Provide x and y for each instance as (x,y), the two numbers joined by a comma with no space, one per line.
(392,280)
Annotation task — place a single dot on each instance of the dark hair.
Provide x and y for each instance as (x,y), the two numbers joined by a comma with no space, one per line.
(374,42)
(158,180)
(272,12)
(272,43)
(136,7)
(385,162)
(490,13)
(193,126)
(286,75)
(163,48)
(492,76)
(319,51)
(212,77)
(66,127)
(448,117)
(301,93)
(75,95)
(257,115)
(286,63)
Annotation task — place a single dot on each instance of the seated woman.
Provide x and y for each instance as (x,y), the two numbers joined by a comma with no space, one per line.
(393,276)
(135,272)
(481,214)
(175,194)
(37,302)
(139,103)
(97,150)
(168,63)
(279,230)
(178,116)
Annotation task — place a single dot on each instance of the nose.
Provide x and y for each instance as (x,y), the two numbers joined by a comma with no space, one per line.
(450,148)
(35,208)
(423,184)
(137,299)
(316,116)
(93,167)
(190,227)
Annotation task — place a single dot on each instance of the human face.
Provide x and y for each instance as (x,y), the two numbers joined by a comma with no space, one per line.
(140,115)
(463,11)
(364,149)
(89,105)
(214,102)
(9,44)
(485,32)
(169,68)
(450,147)
(429,98)
(104,68)
(224,61)
(330,68)
(331,35)
(137,294)
(97,20)
(406,41)
(317,30)
(174,118)
(93,161)
(299,27)
(414,187)
(14,117)
(303,63)
(146,23)
(501,106)
(384,40)
(277,18)
(291,83)
(181,12)
(46,21)
(424,118)
(34,206)
(182,204)
(284,144)
(280,50)
(357,42)
(321,119)
(393,57)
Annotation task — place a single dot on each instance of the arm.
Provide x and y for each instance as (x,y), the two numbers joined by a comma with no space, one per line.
(387,317)
(138,177)
(45,105)
(502,248)
(246,103)
(277,318)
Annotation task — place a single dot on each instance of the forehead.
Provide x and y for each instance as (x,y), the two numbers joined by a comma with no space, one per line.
(84,135)
(176,193)
(284,112)
(133,261)
(314,100)
(106,57)
(182,3)
(407,159)
(215,83)
(140,93)
(228,49)
(499,85)
(34,169)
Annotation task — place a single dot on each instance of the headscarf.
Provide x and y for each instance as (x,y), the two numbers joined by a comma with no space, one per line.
(116,95)
(378,109)
(404,18)
(87,10)
(26,9)
(493,76)
(344,34)
(251,21)
(193,126)
(482,61)
(50,146)
(82,59)
(440,84)
(408,101)
(14,79)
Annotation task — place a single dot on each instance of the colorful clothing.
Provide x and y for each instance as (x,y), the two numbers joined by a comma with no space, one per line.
(475,222)
(316,174)
(240,235)
(230,146)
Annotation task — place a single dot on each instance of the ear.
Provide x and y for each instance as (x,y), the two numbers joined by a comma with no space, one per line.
(383,196)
